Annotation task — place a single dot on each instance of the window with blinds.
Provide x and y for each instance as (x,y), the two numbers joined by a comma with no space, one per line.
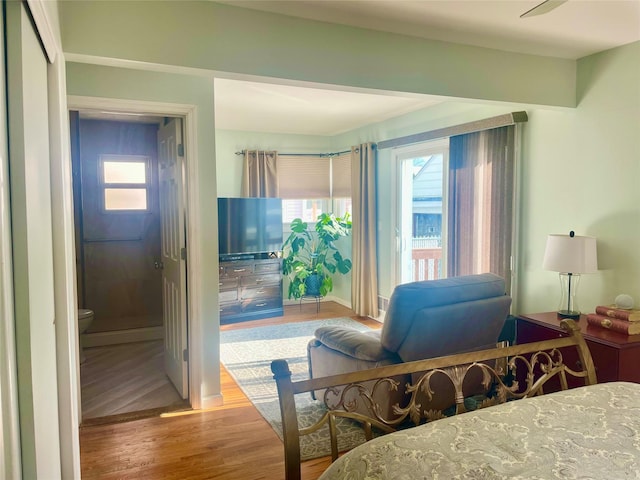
(311,185)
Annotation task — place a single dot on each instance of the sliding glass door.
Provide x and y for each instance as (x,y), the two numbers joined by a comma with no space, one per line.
(421,213)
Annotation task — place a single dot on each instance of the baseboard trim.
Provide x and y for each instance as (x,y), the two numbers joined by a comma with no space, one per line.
(328,298)
(115,337)
(380,317)
(341,301)
(174,409)
(211,401)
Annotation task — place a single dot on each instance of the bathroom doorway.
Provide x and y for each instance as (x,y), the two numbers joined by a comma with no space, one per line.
(124,238)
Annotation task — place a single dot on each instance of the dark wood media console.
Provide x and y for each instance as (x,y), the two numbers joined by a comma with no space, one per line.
(250,287)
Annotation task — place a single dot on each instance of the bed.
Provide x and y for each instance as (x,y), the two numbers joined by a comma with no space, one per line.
(587,432)
(484,441)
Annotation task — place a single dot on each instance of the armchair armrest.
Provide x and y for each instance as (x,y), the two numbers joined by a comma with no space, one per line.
(353,343)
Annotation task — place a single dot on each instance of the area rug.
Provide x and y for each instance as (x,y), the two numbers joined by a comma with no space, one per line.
(247,355)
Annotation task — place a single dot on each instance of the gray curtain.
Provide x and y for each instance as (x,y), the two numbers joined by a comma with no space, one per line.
(364,277)
(259,174)
(480,206)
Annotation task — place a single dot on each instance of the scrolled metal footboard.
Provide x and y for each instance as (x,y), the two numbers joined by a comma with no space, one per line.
(506,373)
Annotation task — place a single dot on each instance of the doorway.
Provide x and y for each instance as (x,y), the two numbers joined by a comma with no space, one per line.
(128,210)
(421,211)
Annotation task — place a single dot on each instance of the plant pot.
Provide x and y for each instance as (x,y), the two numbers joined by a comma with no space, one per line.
(312,283)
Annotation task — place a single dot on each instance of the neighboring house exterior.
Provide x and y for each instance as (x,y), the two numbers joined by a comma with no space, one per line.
(579,113)
(427,199)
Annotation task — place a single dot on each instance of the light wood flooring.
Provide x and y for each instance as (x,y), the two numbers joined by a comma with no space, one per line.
(227,443)
(100,325)
(125,378)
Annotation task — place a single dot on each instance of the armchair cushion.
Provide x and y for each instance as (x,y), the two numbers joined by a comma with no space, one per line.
(424,320)
(408,303)
(353,343)
(456,328)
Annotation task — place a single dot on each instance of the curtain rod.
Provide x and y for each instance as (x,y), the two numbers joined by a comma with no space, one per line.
(305,154)
(477,126)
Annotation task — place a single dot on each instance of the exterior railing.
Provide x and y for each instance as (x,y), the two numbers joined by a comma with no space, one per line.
(426,263)
(426,242)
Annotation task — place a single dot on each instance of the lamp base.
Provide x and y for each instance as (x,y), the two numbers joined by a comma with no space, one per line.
(568,314)
(568,307)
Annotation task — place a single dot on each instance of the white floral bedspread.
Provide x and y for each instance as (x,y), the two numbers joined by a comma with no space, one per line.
(583,433)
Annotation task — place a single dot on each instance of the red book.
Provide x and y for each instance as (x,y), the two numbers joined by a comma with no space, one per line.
(615,324)
(611,311)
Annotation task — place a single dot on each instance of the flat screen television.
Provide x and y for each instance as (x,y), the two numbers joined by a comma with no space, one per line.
(249,225)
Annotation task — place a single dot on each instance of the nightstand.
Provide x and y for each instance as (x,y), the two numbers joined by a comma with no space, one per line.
(616,356)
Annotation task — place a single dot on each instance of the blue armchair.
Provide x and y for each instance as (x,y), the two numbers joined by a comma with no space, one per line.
(424,319)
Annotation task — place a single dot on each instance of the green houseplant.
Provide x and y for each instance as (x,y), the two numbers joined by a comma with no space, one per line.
(311,258)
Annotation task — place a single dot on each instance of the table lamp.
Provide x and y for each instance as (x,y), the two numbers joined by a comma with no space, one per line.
(570,255)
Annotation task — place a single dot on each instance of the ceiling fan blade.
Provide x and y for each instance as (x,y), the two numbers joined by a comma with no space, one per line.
(543,7)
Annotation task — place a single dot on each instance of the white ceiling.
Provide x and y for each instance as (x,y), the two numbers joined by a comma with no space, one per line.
(572,30)
(268,107)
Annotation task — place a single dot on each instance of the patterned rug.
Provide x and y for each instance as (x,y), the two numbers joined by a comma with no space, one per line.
(247,355)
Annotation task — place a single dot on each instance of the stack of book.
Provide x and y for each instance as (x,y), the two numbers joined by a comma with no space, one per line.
(616,319)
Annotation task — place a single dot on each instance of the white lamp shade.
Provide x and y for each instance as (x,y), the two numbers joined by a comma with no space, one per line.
(570,254)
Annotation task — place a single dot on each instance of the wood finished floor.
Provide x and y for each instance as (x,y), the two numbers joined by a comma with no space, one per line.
(125,378)
(100,325)
(227,443)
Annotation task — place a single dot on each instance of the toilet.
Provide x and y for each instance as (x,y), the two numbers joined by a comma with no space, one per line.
(85,317)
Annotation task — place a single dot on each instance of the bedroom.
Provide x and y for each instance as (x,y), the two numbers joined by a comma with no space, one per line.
(572,152)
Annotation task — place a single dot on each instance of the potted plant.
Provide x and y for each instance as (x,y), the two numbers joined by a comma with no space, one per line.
(311,258)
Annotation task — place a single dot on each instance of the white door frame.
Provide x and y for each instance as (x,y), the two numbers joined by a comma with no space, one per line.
(189,113)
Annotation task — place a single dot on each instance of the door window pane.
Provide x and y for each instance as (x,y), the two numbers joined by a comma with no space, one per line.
(124,172)
(125,198)
(124,182)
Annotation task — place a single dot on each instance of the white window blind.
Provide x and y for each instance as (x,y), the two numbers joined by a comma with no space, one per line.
(314,176)
(341,175)
(304,177)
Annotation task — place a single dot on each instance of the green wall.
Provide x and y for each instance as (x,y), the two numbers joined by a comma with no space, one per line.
(581,172)
(122,83)
(572,157)
(229,165)
(445,114)
(439,116)
(229,175)
(216,37)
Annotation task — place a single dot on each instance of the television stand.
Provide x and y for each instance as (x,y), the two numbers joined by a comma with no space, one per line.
(250,287)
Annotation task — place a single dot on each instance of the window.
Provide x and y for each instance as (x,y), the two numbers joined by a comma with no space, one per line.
(419,218)
(312,185)
(341,206)
(306,209)
(309,209)
(124,183)
(455,212)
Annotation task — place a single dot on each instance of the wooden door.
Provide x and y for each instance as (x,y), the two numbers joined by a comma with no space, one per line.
(121,242)
(173,258)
